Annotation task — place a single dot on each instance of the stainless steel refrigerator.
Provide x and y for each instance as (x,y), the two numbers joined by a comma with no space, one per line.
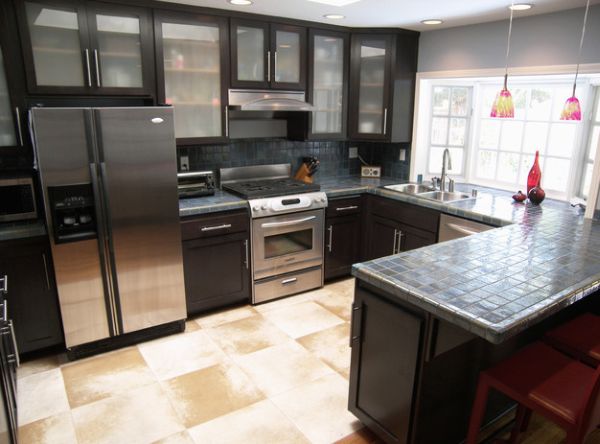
(109,180)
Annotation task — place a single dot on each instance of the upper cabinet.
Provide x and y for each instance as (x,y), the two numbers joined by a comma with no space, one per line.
(10,132)
(192,69)
(371,84)
(72,47)
(267,55)
(328,83)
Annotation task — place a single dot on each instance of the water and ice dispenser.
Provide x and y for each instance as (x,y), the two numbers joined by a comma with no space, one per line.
(73,212)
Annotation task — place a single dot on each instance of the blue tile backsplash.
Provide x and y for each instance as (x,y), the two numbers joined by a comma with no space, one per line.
(333,156)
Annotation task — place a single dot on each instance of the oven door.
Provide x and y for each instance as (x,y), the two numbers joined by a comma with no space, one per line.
(287,243)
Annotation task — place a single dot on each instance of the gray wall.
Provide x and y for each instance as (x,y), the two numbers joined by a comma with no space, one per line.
(548,39)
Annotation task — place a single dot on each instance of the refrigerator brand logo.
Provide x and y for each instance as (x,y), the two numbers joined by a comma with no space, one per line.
(157,120)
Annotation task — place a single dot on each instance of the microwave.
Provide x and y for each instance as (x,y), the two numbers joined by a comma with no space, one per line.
(17,199)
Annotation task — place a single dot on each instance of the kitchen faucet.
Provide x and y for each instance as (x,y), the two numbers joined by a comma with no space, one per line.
(443,178)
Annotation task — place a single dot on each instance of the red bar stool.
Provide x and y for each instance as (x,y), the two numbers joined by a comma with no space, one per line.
(579,338)
(545,381)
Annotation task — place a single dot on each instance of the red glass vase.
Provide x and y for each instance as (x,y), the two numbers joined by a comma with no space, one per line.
(534,179)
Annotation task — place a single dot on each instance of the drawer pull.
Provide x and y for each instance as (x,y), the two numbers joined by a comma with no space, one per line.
(289,281)
(216,227)
(351,207)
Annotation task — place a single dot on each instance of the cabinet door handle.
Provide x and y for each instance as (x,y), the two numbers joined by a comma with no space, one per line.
(5,310)
(46,271)
(289,281)
(4,288)
(330,244)
(400,234)
(10,330)
(268,66)
(395,237)
(247,254)
(353,337)
(351,207)
(226,121)
(275,66)
(87,65)
(384,121)
(98,82)
(216,227)
(18,122)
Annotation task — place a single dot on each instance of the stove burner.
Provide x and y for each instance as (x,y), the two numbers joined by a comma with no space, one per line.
(270,188)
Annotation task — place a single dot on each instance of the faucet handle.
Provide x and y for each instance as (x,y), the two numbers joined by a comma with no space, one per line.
(435,181)
(451,185)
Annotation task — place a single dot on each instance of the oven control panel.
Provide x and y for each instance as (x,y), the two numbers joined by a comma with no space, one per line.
(271,206)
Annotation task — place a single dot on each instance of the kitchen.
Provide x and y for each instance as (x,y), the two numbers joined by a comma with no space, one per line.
(233,221)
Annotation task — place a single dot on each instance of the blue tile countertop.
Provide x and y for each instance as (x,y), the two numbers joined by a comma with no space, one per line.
(221,201)
(21,230)
(497,283)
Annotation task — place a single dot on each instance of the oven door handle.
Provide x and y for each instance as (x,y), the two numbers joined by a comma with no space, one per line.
(287,223)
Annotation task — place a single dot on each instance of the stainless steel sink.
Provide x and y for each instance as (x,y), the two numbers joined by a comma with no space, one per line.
(410,188)
(445,196)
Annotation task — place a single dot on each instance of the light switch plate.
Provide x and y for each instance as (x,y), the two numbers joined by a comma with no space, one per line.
(370,171)
(353,152)
(184,163)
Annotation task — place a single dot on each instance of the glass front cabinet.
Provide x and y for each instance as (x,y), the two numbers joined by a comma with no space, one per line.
(371,87)
(265,56)
(328,83)
(71,47)
(191,68)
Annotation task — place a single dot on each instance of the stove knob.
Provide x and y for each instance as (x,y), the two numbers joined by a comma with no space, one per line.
(263,207)
(256,208)
(323,199)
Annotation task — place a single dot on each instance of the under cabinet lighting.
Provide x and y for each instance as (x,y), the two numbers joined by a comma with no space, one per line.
(432,22)
(240,2)
(334,16)
(521,6)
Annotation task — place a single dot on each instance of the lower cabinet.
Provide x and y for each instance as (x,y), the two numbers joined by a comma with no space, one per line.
(32,299)
(386,341)
(342,236)
(216,261)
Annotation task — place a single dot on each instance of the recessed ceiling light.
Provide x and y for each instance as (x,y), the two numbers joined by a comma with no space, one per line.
(432,22)
(334,16)
(335,2)
(521,6)
(240,2)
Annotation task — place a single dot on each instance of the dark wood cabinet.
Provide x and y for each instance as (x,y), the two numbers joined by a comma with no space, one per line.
(267,55)
(342,236)
(386,342)
(382,79)
(393,227)
(32,299)
(216,261)
(90,48)
(192,67)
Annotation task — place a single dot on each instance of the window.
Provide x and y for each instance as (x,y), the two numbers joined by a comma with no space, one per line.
(591,147)
(505,148)
(451,109)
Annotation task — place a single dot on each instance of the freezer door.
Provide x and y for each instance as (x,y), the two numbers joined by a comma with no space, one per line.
(139,177)
(64,151)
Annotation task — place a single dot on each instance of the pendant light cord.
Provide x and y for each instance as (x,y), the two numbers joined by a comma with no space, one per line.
(508,42)
(587,8)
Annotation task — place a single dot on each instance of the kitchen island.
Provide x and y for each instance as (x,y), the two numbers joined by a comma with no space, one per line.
(425,322)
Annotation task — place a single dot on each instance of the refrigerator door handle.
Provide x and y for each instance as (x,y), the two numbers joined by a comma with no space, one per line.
(104,252)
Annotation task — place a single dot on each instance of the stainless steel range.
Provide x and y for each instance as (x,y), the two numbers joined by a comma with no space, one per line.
(287,227)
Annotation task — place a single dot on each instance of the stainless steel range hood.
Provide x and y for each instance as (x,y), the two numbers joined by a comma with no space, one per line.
(268,100)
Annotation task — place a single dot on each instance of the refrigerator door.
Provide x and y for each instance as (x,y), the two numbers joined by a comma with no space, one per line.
(64,149)
(139,178)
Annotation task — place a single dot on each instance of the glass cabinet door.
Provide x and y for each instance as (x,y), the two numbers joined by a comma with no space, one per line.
(58,56)
(373,54)
(328,91)
(251,46)
(8,136)
(192,64)
(288,47)
(118,52)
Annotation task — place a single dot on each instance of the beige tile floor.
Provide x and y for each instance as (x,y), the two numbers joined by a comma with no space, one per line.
(274,373)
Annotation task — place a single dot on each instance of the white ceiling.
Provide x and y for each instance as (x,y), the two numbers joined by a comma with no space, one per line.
(394,13)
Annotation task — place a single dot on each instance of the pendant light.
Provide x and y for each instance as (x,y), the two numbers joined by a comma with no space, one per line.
(572,108)
(503,105)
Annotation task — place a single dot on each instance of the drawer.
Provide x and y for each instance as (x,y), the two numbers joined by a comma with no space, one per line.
(199,228)
(288,284)
(344,207)
(409,214)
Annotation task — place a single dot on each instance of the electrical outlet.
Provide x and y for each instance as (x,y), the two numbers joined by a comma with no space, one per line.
(184,163)
(402,155)
(370,171)
(353,152)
